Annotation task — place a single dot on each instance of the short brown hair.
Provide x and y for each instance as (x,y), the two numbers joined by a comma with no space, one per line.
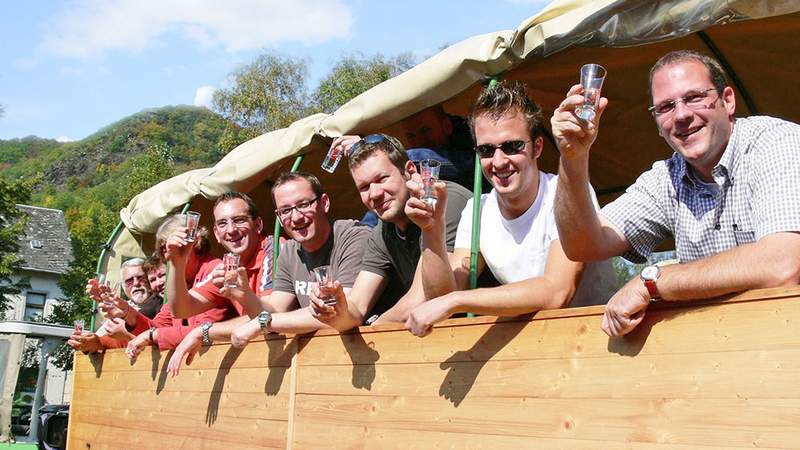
(286,177)
(718,77)
(498,100)
(252,210)
(389,145)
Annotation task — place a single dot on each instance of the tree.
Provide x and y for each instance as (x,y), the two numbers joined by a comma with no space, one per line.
(268,94)
(356,74)
(12,225)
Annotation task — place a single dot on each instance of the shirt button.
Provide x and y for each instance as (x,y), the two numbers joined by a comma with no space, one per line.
(717,227)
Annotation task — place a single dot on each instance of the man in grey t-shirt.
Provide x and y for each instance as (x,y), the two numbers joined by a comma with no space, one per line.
(302,207)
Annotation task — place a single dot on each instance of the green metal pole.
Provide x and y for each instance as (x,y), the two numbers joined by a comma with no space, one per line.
(477,183)
(99,266)
(276,235)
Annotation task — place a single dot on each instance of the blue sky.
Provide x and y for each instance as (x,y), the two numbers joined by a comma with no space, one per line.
(69,68)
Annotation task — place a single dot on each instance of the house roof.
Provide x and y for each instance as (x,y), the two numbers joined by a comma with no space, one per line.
(45,246)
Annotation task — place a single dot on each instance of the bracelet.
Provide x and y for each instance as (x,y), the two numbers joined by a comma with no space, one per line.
(151,335)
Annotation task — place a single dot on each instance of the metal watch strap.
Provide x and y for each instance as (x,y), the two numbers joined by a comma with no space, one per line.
(264,319)
(204,328)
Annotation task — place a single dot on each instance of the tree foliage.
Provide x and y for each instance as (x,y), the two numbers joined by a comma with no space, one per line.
(12,225)
(353,75)
(265,95)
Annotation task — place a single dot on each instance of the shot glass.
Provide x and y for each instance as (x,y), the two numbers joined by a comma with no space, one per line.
(592,77)
(429,169)
(332,159)
(231,263)
(324,278)
(191,220)
(79,324)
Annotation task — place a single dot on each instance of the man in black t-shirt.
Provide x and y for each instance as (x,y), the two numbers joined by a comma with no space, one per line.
(389,284)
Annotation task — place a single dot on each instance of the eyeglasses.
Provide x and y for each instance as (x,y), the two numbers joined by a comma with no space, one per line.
(694,100)
(302,207)
(508,147)
(130,280)
(238,222)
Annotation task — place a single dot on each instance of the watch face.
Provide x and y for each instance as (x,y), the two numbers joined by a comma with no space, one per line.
(650,273)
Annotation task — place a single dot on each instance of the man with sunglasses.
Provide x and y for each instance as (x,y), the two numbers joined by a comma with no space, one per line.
(518,237)
(390,282)
(727,195)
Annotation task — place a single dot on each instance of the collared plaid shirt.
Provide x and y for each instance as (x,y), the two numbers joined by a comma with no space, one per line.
(759,181)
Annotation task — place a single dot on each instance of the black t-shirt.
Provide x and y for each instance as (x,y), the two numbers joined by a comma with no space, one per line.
(394,255)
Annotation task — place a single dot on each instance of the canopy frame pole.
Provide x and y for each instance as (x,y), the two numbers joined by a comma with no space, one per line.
(477,184)
(276,235)
(100,261)
(737,82)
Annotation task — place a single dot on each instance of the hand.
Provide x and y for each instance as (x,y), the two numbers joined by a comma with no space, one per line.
(425,216)
(116,329)
(574,136)
(189,347)
(240,293)
(177,249)
(86,342)
(217,276)
(137,344)
(421,319)
(336,302)
(626,309)
(241,335)
(114,307)
(344,143)
(95,289)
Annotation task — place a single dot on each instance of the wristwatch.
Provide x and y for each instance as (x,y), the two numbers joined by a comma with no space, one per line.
(264,319)
(649,276)
(204,328)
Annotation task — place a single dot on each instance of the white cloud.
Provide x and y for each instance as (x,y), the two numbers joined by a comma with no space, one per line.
(64,139)
(204,95)
(91,27)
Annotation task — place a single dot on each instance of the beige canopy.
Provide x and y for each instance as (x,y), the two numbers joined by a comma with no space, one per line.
(756,40)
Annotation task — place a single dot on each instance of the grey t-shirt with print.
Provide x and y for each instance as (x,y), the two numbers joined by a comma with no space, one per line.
(343,251)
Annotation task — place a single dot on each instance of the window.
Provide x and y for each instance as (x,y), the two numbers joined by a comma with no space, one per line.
(34,306)
(36,244)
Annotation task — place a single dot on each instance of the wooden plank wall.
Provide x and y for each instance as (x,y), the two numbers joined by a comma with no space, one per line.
(718,375)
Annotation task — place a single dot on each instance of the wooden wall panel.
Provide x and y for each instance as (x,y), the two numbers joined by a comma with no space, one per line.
(706,376)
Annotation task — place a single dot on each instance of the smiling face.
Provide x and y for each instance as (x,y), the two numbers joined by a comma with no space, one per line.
(515,177)
(157,277)
(309,227)
(134,283)
(241,238)
(382,187)
(701,135)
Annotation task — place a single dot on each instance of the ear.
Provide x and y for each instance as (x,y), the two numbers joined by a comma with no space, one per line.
(729,100)
(326,202)
(411,169)
(538,145)
(259,224)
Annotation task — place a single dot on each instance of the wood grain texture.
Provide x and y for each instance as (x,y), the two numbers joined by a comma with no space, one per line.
(712,375)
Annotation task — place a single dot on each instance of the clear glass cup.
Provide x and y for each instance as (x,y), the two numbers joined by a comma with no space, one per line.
(429,170)
(592,77)
(324,279)
(230,261)
(332,159)
(191,220)
(79,324)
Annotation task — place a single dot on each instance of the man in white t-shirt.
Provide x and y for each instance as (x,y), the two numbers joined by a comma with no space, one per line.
(518,237)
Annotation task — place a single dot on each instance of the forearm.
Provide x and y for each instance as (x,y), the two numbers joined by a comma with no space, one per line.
(181,303)
(437,274)
(299,321)
(770,262)
(511,299)
(221,331)
(252,304)
(579,227)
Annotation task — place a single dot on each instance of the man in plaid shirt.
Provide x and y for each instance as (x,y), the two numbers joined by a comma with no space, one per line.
(727,195)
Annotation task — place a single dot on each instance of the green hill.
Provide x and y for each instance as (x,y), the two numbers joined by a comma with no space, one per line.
(92,179)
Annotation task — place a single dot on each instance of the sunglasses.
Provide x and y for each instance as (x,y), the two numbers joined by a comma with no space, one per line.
(508,147)
(370,139)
